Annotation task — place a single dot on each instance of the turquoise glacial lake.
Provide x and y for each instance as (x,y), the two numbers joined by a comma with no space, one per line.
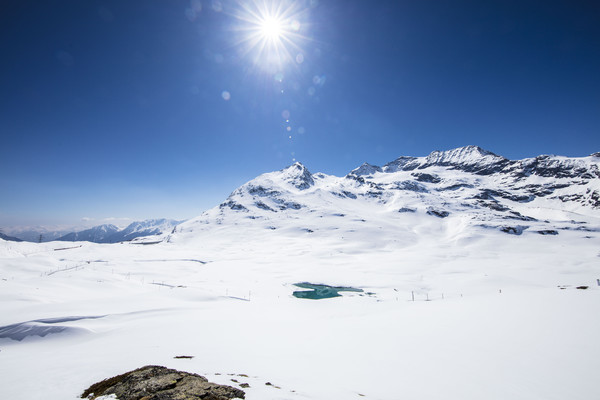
(318,292)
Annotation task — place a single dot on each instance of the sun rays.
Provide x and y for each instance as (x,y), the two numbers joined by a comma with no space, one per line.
(271,32)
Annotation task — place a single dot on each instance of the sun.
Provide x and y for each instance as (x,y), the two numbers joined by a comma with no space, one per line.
(271,28)
(270,32)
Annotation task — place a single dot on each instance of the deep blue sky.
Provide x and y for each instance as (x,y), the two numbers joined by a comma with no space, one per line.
(113,108)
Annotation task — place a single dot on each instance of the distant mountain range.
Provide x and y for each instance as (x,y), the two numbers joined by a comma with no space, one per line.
(466,187)
(112,234)
(32,234)
(106,233)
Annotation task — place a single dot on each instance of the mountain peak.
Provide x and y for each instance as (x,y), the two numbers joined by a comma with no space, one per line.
(401,163)
(468,158)
(461,154)
(366,169)
(298,175)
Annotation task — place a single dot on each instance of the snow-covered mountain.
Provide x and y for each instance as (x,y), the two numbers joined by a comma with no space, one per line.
(109,233)
(148,227)
(97,234)
(467,186)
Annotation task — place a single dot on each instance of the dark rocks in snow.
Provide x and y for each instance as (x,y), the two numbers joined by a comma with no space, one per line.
(594,199)
(262,191)
(356,178)
(519,198)
(591,197)
(274,195)
(154,382)
(348,194)
(287,205)
(518,216)
(570,197)
(493,205)
(539,190)
(438,213)
(513,230)
(548,232)
(376,186)
(407,210)
(233,205)
(455,187)
(585,229)
(544,190)
(344,194)
(290,205)
(486,194)
(411,186)
(429,178)
(263,206)
(374,194)
(490,194)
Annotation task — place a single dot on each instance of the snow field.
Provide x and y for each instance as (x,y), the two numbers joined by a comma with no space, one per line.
(235,315)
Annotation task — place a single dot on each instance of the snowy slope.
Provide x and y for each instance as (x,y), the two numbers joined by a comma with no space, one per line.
(497,313)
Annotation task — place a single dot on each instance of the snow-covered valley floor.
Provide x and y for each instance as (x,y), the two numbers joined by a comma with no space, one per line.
(496,326)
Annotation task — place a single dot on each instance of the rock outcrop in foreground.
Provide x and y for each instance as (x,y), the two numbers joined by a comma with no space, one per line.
(160,383)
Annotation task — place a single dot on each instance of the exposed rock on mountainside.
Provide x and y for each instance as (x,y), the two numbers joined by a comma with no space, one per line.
(298,175)
(159,383)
